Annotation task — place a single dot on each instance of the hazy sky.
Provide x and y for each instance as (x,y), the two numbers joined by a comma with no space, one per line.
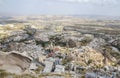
(60,7)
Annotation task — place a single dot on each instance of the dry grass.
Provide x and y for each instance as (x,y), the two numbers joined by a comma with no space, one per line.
(4,74)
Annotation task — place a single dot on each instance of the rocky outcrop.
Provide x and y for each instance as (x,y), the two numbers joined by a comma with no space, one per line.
(86,49)
(106,50)
(16,36)
(30,30)
(31,50)
(116,43)
(41,36)
(14,62)
(97,43)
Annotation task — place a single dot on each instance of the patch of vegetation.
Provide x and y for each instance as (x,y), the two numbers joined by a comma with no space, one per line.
(50,74)
(83,76)
(89,61)
(58,40)
(3,35)
(40,68)
(4,74)
(67,75)
(81,70)
(44,44)
(67,60)
(84,42)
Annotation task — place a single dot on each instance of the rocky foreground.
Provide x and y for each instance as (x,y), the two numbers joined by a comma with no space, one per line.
(80,51)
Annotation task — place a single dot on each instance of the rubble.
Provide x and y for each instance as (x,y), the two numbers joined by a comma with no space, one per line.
(48,67)
(33,66)
(59,69)
(81,52)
